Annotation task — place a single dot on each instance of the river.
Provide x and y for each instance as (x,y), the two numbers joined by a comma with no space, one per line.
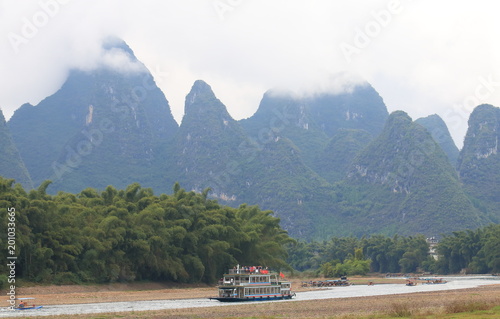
(329,293)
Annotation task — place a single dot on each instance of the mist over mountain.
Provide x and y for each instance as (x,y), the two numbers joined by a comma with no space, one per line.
(313,122)
(326,164)
(282,115)
(101,127)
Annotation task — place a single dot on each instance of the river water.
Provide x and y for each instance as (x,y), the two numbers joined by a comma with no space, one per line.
(321,293)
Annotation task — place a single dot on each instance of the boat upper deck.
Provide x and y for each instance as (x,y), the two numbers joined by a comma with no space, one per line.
(247,270)
(250,276)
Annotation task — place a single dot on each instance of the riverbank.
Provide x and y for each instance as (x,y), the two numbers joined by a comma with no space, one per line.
(424,304)
(78,294)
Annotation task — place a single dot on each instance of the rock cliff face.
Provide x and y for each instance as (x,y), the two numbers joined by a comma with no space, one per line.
(408,179)
(396,155)
(285,116)
(206,148)
(11,164)
(439,131)
(479,160)
(334,161)
(361,108)
(212,150)
(101,127)
(317,125)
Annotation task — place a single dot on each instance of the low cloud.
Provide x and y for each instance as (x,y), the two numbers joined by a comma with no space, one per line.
(424,57)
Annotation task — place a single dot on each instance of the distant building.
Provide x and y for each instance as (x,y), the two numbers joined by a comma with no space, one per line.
(432,241)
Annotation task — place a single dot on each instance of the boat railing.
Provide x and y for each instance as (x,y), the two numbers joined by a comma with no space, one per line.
(231,282)
(251,270)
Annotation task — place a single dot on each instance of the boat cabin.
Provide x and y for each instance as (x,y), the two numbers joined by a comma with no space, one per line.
(253,283)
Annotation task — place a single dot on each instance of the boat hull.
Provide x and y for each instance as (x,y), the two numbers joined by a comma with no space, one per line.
(230,299)
(29,308)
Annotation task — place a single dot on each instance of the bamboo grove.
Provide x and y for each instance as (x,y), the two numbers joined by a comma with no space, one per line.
(131,234)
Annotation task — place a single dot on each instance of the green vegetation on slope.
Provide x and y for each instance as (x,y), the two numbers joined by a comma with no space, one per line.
(131,234)
(439,131)
(404,177)
(11,164)
(479,161)
(102,127)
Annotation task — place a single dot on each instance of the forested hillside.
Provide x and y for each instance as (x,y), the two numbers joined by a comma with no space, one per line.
(132,234)
(102,127)
(404,176)
(479,161)
(436,126)
(11,163)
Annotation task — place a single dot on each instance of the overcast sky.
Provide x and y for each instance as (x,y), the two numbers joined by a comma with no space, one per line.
(423,57)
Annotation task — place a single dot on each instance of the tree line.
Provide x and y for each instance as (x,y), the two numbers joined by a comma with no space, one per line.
(349,255)
(471,251)
(468,251)
(131,234)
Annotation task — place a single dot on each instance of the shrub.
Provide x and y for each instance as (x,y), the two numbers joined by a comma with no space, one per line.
(4,282)
(66,278)
(470,306)
(400,310)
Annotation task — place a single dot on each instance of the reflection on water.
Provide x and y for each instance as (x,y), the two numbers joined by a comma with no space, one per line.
(459,282)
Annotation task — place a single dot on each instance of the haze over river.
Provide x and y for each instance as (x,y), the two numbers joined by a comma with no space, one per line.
(321,293)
